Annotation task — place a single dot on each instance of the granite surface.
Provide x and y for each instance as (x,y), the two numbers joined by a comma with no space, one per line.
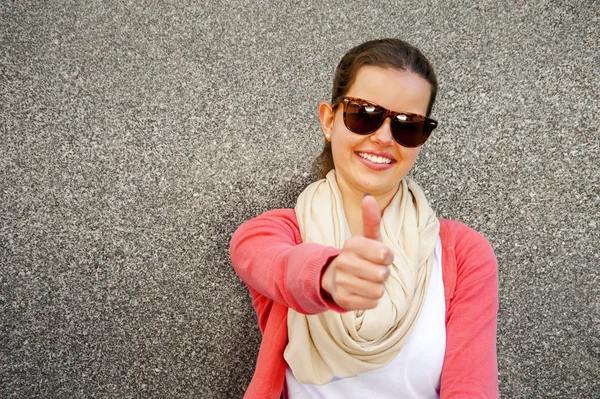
(136,136)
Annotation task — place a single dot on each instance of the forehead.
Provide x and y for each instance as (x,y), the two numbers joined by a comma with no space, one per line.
(392,89)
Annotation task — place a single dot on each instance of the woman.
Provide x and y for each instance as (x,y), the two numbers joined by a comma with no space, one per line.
(360,291)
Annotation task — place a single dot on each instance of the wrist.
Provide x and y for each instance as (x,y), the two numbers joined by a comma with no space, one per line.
(325,293)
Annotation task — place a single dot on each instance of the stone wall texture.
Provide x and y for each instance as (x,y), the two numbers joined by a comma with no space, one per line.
(135,136)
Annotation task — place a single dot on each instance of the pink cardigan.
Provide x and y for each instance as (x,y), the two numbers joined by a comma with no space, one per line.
(282,272)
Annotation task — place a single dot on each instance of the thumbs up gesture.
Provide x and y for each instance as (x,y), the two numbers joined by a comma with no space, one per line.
(355,278)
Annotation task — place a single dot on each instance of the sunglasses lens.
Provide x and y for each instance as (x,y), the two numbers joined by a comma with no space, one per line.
(410,133)
(409,130)
(363,118)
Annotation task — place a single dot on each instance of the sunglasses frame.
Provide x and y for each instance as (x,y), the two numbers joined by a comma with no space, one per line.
(428,123)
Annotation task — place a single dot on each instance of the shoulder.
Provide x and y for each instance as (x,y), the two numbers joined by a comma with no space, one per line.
(467,256)
(272,223)
(284,214)
(461,238)
(283,217)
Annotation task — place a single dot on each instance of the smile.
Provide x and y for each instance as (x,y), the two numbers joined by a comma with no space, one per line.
(374,158)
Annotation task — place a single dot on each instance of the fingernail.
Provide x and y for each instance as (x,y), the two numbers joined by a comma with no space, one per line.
(366,194)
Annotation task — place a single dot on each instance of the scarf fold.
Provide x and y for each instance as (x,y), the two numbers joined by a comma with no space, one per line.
(344,345)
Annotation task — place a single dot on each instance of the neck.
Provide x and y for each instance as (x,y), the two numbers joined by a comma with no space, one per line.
(352,200)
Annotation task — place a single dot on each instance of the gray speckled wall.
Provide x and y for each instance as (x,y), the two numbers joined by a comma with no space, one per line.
(136,136)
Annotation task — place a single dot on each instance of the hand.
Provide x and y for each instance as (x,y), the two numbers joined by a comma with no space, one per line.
(355,278)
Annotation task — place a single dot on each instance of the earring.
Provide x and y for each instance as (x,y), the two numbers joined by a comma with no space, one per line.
(328,136)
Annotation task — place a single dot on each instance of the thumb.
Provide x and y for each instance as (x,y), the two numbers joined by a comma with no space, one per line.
(371,217)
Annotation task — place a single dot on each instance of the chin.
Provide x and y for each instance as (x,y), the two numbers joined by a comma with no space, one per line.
(374,188)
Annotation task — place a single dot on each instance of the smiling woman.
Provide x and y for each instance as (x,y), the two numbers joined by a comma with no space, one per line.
(373,163)
(360,290)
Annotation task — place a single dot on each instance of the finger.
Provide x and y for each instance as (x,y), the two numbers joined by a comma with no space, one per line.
(356,286)
(363,269)
(371,217)
(356,302)
(370,250)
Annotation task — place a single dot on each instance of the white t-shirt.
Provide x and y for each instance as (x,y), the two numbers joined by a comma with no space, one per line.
(414,373)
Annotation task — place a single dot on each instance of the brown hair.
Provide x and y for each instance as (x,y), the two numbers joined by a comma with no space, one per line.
(386,53)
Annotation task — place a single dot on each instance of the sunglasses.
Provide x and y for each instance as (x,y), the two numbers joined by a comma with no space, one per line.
(365,117)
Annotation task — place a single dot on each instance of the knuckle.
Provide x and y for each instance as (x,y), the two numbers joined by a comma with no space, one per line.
(376,292)
(386,255)
(339,279)
(346,254)
(385,274)
(382,254)
(351,242)
(371,304)
(341,262)
(382,275)
(343,302)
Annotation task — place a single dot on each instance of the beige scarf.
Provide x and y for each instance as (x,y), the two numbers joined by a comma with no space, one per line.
(347,344)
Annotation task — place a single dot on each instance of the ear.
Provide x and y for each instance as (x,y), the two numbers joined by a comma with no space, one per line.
(326,116)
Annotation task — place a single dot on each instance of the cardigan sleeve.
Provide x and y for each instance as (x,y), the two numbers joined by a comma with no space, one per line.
(470,367)
(268,254)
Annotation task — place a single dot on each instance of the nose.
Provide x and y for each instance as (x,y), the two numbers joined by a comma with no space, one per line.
(383,135)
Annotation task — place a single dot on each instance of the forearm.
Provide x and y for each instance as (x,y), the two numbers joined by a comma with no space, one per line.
(268,255)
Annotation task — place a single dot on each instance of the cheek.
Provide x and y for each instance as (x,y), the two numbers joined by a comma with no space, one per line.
(409,153)
(338,130)
(408,157)
(344,143)
(342,139)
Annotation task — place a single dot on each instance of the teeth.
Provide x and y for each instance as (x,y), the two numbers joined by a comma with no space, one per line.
(374,158)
